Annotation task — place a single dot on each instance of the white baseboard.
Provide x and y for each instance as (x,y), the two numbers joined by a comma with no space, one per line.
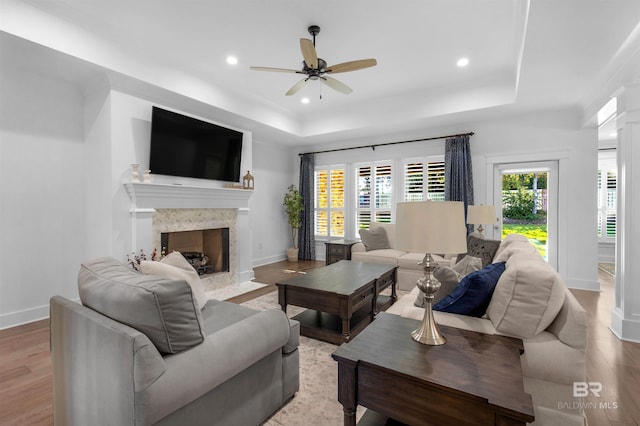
(26,316)
(577,284)
(14,319)
(625,329)
(244,276)
(269,259)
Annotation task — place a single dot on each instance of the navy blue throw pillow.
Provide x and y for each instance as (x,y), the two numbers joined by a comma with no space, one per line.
(473,293)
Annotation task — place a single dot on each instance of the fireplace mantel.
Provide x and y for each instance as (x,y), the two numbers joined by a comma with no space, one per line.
(169,196)
(146,198)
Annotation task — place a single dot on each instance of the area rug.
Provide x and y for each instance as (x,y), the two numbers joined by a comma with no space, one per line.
(316,402)
(229,291)
(609,268)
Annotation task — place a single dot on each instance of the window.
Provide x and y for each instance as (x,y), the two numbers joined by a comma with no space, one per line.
(373,194)
(329,201)
(607,198)
(424,179)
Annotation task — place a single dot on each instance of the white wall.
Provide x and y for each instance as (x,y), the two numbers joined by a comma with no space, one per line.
(42,189)
(540,136)
(273,172)
(64,155)
(551,136)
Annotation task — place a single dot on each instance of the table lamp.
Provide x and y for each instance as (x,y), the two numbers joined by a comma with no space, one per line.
(478,215)
(430,227)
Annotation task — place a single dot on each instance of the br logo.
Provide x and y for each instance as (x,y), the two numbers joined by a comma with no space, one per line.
(582,389)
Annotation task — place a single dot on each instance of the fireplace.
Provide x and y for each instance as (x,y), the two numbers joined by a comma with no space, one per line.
(207,250)
(158,208)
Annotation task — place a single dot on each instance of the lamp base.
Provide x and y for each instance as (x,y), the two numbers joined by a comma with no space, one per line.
(428,332)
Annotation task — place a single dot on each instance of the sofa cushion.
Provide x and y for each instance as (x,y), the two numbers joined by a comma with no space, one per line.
(527,298)
(508,240)
(175,267)
(482,248)
(165,311)
(383,257)
(449,280)
(467,265)
(374,239)
(473,293)
(390,228)
(516,247)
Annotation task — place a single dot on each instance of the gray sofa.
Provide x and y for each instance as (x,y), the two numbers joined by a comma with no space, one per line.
(223,364)
(531,302)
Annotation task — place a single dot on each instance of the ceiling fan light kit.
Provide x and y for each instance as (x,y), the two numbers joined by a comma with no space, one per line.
(315,68)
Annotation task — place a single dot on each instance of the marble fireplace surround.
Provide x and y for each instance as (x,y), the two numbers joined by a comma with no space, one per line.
(157,208)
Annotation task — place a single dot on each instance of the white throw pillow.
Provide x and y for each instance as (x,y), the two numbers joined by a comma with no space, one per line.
(527,298)
(175,267)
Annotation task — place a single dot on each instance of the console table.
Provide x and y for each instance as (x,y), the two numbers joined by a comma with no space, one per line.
(473,379)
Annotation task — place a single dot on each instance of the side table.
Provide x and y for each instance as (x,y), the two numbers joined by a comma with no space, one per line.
(337,250)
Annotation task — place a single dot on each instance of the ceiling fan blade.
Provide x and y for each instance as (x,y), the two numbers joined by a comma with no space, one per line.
(352,65)
(336,85)
(297,86)
(275,70)
(309,53)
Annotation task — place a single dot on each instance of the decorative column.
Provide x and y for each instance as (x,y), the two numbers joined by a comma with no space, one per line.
(625,319)
(245,267)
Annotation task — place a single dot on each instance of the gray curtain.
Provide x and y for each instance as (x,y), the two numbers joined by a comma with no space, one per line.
(306,239)
(458,175)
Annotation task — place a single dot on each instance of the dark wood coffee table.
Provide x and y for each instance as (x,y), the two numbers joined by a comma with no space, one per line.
(341,298)
(473,379)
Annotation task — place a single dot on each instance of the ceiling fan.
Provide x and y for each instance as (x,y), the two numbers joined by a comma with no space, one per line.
(316,68)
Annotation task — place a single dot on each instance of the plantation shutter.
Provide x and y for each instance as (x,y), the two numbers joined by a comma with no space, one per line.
(413,181)
(600,203)
(329,201)
(373,195)
(363,217)
(322,203)
(424,180)
(337,203)
(435,181)
(607,203)
(611,203)
(383,187)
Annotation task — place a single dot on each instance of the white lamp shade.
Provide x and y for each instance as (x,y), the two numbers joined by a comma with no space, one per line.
(481,215)
(431,227)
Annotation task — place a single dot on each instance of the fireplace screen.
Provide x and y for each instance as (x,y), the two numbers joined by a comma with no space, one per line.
(207,250)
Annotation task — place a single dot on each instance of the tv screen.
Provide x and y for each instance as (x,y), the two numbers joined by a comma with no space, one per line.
(188,147)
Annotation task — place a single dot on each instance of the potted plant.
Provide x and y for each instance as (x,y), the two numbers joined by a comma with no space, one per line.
(294,206)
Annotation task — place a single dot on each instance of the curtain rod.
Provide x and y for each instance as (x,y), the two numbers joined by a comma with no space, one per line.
(373,147)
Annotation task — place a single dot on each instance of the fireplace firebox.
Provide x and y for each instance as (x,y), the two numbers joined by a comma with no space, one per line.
(207,250)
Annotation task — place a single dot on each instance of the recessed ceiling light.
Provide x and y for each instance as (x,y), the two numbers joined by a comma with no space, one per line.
(463,62)
(232,60)
(304,100)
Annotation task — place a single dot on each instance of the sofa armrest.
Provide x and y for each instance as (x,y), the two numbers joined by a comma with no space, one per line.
(570,325)
(98,365)
(222,355)
(358,247)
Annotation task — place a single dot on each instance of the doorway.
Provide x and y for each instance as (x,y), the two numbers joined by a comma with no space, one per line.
(526,195)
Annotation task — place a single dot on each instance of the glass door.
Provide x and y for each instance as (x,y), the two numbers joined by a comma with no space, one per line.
(527,198)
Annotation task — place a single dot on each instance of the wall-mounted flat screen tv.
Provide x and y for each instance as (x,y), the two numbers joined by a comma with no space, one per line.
(188,147)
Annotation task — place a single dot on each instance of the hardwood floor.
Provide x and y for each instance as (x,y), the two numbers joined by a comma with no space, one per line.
(613,363)
(26,380)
